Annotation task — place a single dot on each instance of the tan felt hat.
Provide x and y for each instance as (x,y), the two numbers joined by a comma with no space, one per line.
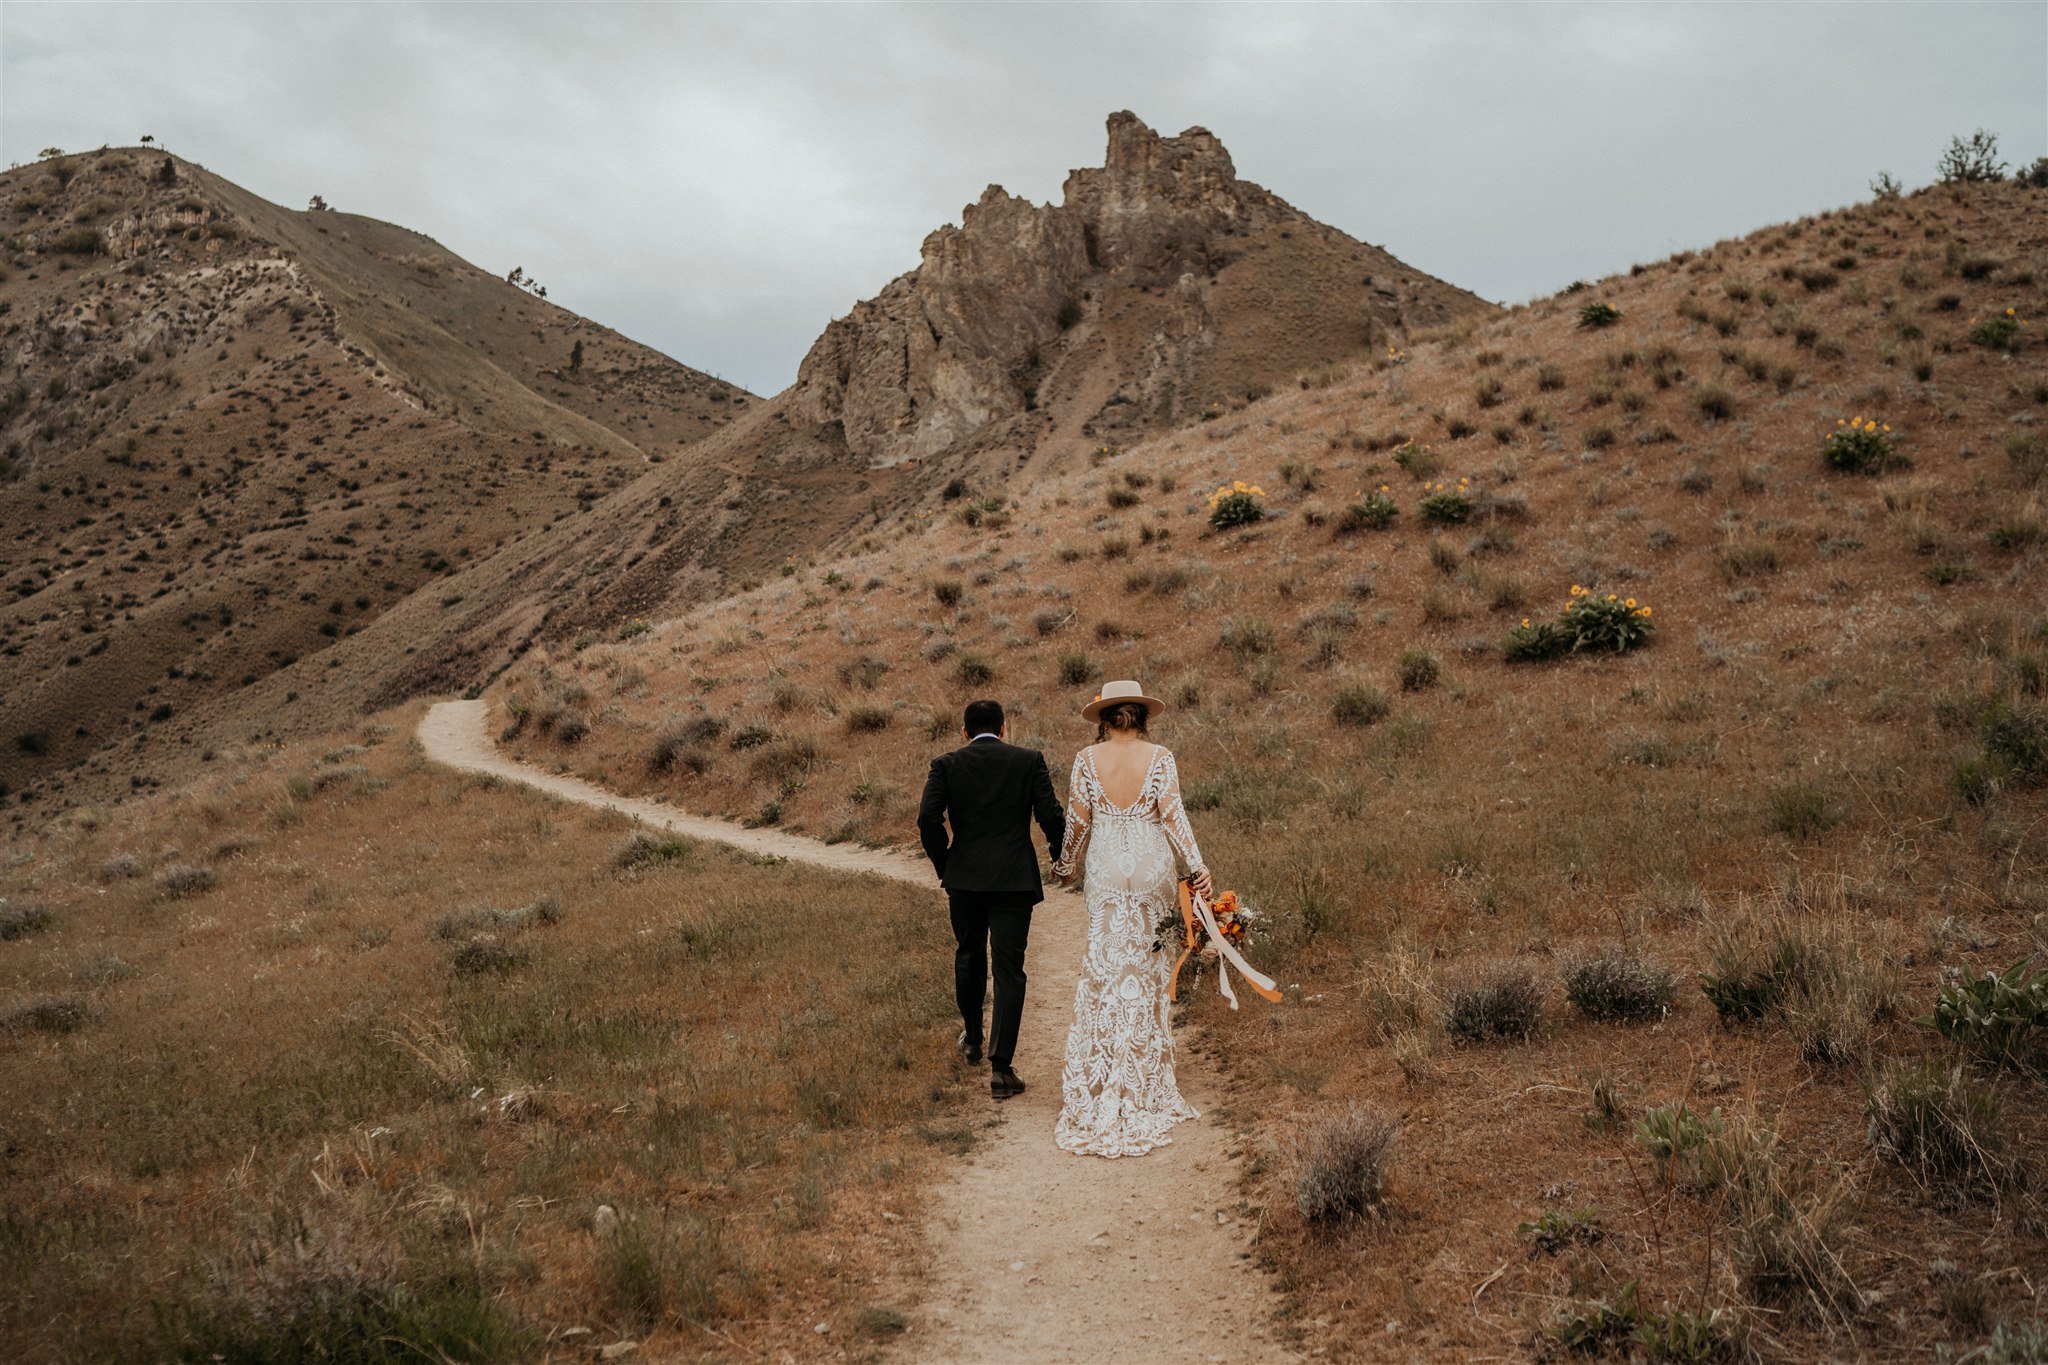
(1125,690)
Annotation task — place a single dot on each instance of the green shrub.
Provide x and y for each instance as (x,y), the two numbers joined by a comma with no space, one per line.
(1446,504)
(947,592)
(1740,559)
(1419,670)
(1236,504)
(79,241)
(1077,669)
(974,671)
(19,919)
(1799,811)
(1556,1230)
(1503,1001)
(2028,451)
(1970,162)
(1598,314)
(1943,1127)
(53,1014)
(486,954)
(1589,620)
(1374,511)
(1341,1164)
(1860,447)
(180,880)
(318,1300)
(1246,637)
(1417,459)
(1614,984)
(868,720)
(1680,1139)
(1999,333)
(1999,1016)
(1360,705)
(681,743)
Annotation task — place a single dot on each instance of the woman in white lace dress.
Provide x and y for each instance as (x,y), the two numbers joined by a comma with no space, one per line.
(1125,824)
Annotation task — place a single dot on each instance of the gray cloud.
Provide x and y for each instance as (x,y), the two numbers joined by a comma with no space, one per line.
(720,181)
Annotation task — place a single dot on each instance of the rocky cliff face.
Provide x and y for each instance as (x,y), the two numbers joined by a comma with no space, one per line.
(1124,278)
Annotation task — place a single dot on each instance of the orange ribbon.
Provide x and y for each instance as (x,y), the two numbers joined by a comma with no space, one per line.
(1193,908)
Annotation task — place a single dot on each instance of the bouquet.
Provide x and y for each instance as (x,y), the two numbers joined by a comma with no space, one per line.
(1189,929)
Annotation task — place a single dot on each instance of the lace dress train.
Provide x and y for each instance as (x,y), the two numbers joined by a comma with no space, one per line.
(1117,1084)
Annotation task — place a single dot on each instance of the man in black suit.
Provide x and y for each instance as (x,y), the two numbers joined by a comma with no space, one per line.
(990,790)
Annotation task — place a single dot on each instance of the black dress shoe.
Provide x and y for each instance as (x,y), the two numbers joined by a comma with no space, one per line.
(969,1052)
(1003,1084)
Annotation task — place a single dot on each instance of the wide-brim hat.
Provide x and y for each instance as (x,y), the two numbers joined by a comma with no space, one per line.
(1117,693)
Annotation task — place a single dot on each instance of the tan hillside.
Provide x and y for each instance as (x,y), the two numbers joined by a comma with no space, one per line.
(1028,336)
(1162,285)
(235,433)
(329,1045)
(1836,736)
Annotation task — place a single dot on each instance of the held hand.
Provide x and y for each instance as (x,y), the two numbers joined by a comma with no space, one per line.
(1204,886)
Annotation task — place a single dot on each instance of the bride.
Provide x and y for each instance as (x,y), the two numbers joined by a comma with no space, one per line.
(1125,824)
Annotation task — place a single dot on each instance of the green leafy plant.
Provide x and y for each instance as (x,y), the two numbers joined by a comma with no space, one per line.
(1417,459)
(1676,1134)
(1560,1228)
(1446,504)
(1598,314)
(1999,1016)
(1374,511)
(1589,620)
(1857,446)
(1998,333)
(1236,504)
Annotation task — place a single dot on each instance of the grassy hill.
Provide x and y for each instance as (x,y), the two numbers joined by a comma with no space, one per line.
(1493,889)
(236,434)
(1833,740)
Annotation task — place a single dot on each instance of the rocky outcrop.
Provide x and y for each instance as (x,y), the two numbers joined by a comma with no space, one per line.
(1117,279)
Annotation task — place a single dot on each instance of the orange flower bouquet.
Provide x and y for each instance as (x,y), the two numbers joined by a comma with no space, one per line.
(1217,929)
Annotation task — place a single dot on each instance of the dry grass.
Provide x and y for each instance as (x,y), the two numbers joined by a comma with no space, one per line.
(1768,795)
(293,1118)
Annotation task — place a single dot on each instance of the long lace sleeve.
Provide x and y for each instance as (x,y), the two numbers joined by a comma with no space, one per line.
(1079,813)
(1173,816)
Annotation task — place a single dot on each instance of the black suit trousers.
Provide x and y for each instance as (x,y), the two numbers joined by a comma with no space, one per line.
(991,924)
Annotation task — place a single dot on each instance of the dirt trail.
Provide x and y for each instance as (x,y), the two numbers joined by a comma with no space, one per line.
(1036,1255)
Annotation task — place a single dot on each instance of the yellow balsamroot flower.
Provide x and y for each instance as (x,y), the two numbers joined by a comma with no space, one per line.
(1642,611)
(1887,426)
(1578,591)
(1630,603)
(1525,623)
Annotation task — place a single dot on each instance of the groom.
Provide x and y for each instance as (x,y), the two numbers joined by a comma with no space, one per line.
(990,790)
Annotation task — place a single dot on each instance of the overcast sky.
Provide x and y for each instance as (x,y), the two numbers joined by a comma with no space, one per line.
(721,181)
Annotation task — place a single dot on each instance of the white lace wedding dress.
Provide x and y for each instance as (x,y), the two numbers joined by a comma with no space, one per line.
(1117,1085)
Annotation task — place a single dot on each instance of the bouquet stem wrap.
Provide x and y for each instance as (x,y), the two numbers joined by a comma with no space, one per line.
(1195,909)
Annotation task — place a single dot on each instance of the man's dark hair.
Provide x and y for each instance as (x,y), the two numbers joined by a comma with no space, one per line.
(984,718)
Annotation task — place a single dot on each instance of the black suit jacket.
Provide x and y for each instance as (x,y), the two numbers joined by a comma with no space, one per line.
(990,792)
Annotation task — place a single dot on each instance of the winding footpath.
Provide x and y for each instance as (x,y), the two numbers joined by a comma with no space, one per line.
(1036,1256)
